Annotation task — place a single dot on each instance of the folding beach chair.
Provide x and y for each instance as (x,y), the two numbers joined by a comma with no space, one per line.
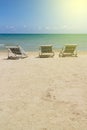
(15,52)
(68,50)
(46,51)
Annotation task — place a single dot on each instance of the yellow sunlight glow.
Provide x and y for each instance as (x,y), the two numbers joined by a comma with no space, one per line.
(78,7)
(71,13)
(71,7)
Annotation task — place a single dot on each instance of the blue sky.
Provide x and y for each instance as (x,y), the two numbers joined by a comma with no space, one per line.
(43,16)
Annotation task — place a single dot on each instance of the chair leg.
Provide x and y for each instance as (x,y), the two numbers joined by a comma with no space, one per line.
(8,54)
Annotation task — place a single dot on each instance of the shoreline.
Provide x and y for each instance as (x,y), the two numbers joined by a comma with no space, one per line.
(4,52)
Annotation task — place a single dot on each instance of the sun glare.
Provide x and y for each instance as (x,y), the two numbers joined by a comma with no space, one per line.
(74,7)
(78,7)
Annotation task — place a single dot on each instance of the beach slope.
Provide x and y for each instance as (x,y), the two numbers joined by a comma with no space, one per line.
(43,93)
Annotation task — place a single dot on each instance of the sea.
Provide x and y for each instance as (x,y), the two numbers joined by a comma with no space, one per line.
(32,42)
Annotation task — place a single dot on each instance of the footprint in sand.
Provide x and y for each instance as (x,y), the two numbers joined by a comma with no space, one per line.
(49,95)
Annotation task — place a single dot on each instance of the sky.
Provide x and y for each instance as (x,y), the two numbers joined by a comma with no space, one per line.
(43,16)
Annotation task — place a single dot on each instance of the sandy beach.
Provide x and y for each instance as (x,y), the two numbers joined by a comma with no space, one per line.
(43,93)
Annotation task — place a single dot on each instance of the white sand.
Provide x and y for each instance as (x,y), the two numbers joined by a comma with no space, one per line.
(43,93)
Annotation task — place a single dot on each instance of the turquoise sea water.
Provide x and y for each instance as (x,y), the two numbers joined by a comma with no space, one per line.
(31,42)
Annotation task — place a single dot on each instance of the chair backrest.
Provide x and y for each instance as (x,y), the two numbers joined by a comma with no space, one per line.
(70,48)
(46,49)
(15,50)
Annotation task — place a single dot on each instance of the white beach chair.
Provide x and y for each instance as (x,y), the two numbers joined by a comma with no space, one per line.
(68,50)
(15,52)
(46,51)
